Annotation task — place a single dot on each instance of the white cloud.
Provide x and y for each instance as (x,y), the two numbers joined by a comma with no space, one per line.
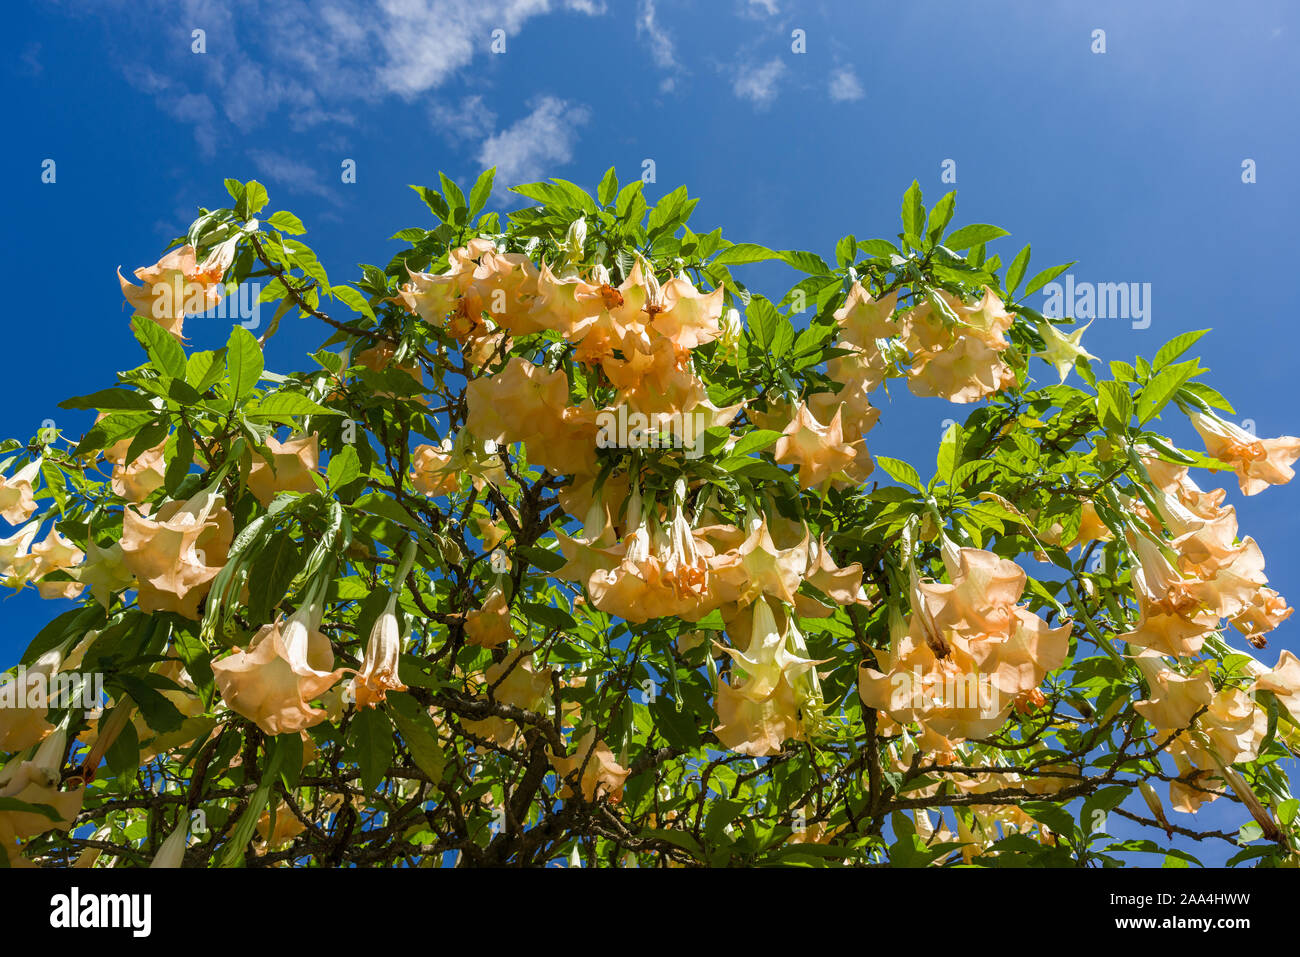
(662,50)
(545,138)
(290,174)
(766,6)
(759,83)
(845,85)
(469,120)
(315,60)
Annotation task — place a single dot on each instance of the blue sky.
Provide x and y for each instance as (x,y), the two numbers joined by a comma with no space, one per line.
(1129,161)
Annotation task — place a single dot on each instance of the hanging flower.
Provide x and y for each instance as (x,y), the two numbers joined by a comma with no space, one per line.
(1258,463)
(600,776)
(379,666)
(177,551)
(489,626)
(431,473)
(175,286)
(16,501)
(287,665)
(56,553)
(818,450)
(289,469)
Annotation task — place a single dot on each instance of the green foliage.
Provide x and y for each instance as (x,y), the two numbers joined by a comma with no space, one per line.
(447,768)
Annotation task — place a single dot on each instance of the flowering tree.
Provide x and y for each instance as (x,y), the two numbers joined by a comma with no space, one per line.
(552,557)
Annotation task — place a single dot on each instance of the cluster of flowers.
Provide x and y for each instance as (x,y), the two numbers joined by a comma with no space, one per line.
(1185,585)
(637,559)
(958,662)
(966,653)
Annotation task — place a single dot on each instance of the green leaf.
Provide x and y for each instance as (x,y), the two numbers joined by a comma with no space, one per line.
(558,192)
(281,404)
(973,235)
(165,353)
(481,191)
(1053,815)
(940,216)
(274,567)
(159,713)
(371,740)
(548,616)
(418,733)
(204,369)
(455,199)
(722,811)
(913,211)
(753,441)
(433,199)
(243,362)
(287,222)
(1162,388)
(807,262)
(12,804)
(106,399)
(949,452)
(1210,396)
(763,319)
(354,300)
(1016,271)
(255,197)
(344,468)
(1175,347)
(232,854)
(1114,405)
(744,253)
(608,187)
(878,248)
(180,452)
(1044,277)
(900,471)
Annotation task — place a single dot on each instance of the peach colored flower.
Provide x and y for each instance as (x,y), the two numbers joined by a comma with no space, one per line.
(175,286)
(1258,463)
(1284,682)
(56,553)
(16,502)
(1262,615)
(1174,479)
(105,572)
(688,318)
(818,450)
(17,564)
(965,371)
(843,586)
(506,407)
(515,682)
(136,481)
(177,551)
(381,661)
(758,728)
(287,665)
(430,472)
(289,470)
(489,626)
(600,777)
(22,725)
